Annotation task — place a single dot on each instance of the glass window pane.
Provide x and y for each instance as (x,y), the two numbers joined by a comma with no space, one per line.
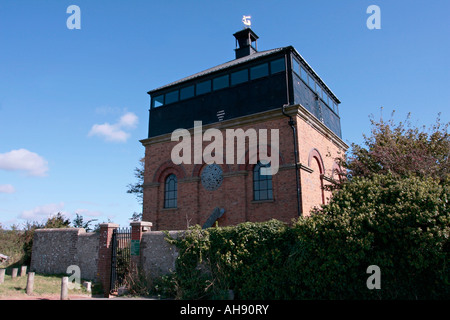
(172,97)
(239,77)
(263,195)
(278,66)
(304,74)
(319,90)
(220,82)
(204,87)
(259,71)
(295,66)
(170,194)
(187,92)
(158,101)
(263,184)
(311,82)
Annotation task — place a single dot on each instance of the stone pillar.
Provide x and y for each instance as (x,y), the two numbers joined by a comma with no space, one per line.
(104,256)
(137,229)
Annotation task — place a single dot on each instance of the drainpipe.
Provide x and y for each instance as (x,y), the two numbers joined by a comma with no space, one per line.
(292,124)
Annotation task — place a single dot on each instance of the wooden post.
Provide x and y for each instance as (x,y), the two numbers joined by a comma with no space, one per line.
(30,283)
(64,288)
(23,271)
(14,273)
(2,275)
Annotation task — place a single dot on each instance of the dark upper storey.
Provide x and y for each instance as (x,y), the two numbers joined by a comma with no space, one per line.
(253,82)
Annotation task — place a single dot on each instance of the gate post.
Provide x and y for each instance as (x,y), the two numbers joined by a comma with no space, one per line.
(137,229)
(104,256)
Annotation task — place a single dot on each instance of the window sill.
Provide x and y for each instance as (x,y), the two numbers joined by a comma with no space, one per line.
(169,209)
(263,201)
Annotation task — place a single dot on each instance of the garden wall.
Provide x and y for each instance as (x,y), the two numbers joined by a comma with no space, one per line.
(157,255)
(54,250)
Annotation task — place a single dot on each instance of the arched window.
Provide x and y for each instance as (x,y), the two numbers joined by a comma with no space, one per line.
(170,192)
(262,184)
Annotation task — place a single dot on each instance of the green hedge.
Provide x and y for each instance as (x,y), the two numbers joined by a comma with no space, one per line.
(400,225)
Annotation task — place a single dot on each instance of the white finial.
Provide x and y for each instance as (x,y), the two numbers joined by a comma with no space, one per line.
(246,21)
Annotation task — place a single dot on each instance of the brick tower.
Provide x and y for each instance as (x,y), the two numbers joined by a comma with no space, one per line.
(274,90)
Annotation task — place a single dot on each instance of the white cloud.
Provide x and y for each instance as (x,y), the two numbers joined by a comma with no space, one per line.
(7,188)
(85,212)
(115,132)
(109,132)
(24,160)
(44,211)
(128,120)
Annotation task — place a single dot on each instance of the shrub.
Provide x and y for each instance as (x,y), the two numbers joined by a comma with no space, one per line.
(402,225)
(246,258)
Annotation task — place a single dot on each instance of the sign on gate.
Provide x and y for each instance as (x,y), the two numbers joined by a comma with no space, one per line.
(135,247)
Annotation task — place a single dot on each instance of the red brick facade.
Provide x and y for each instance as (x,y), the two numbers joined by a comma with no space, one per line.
(317,146)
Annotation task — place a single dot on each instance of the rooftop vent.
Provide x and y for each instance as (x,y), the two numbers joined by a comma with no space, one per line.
(246,43)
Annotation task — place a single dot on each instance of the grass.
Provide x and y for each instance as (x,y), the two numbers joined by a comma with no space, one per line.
(43,285)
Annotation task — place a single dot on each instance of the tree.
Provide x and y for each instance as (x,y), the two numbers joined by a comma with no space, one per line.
(403,150)
(57,221)
(136,217)
(137,188)
(78,222)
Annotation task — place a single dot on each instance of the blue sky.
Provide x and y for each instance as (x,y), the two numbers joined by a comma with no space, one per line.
(74,103)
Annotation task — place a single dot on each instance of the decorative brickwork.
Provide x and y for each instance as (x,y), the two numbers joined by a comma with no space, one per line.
(318,147)
(104,256)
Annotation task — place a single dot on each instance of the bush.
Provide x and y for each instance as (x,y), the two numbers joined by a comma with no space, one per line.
(399,224)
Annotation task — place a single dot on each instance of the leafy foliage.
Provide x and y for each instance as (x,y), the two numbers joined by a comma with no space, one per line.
(402,150)
(57,221)
(400,225)
(78,222)
(20,242)
(137,188)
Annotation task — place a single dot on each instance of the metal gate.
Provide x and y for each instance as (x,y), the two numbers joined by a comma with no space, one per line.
(120,257)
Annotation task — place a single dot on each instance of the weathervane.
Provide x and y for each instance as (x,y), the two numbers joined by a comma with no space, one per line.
(246,21)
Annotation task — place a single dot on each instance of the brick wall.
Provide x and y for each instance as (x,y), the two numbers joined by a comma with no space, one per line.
(318,147)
